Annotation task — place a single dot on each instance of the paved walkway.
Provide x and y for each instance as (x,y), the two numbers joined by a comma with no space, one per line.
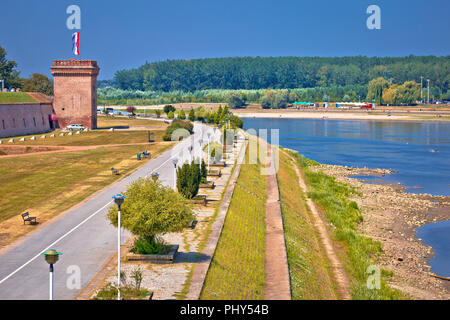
(83,234)
(277,268)
(168,280)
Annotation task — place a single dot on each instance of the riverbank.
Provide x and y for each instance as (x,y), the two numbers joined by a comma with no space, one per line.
(392,217)
(344,115)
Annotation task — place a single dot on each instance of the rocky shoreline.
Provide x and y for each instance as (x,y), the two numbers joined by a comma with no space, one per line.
(392,217)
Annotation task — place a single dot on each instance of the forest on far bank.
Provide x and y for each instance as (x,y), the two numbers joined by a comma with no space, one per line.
(244,80)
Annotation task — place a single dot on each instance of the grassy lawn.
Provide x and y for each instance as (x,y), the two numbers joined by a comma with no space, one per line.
(237,270)
(358,252)
(48,184)
(90,138)
(104,122)
(309,269)
(15,97)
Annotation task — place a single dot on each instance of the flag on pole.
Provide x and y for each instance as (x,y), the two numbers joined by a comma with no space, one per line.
(76,43)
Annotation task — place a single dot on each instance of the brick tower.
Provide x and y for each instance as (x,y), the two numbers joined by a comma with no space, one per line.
(75,92)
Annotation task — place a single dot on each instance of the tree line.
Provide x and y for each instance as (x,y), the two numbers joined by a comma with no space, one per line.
(9,73)
(252,73)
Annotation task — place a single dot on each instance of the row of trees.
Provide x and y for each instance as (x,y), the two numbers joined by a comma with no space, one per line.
(36,83)
(281,72)
(114,96)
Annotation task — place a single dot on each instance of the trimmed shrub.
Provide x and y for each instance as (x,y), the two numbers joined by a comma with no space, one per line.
(188,180)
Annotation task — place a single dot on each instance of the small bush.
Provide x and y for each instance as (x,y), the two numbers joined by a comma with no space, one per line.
(153,245)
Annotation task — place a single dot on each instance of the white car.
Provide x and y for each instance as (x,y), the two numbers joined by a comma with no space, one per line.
(75,127)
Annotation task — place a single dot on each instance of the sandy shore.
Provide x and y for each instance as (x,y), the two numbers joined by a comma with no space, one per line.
(342,115)
(392,216)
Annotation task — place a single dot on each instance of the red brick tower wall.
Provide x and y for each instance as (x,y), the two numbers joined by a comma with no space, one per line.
(75,92)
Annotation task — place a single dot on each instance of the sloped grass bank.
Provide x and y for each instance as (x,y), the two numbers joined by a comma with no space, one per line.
(360,252)
(309,269)
(237,270)
(15,97)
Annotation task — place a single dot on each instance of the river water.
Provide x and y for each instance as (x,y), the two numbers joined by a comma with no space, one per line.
(419,151)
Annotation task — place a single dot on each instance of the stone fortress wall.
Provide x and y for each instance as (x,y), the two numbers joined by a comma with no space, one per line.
(74,102)
(25,118)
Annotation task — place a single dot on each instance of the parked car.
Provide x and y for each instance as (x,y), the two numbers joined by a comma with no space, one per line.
(75,127)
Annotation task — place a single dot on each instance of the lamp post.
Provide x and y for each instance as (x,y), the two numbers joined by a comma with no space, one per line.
(51,256)
(118,199)
(190,148)
(155,175)
(428,98)
(175,161)
(209,142)
(200,141)
(421,89)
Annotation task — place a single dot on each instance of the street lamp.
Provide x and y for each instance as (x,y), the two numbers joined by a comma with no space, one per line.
(118,199)
(200,141)
(208,134)
(190,148)
(155,175)
(175,161)
(51,256)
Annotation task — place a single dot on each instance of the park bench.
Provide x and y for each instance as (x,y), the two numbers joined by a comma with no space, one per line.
(26,217)
(115,171)
(146,154)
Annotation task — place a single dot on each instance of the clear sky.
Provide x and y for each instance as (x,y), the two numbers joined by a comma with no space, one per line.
(126,34)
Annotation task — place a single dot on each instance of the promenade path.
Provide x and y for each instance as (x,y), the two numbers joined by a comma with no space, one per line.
(82,234)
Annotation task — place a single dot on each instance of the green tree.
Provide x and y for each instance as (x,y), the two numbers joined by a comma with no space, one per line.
(375,89)
(7,71)
(152,209)
(181,115)
(38,83)
(168,108)
(204,172)
(188,180)
(191,116)
(235,100)
(170,115)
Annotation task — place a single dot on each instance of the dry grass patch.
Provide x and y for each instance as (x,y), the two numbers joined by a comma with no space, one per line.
(49,184)
(90,138)
(114,122)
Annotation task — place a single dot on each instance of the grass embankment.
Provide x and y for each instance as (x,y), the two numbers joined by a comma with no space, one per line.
(309,269)
(15,97)
(237,270)
(358,252)
(90,138)
(48,184)
(105,122)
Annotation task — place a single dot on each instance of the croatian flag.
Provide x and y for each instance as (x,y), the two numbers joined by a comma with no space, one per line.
(76,43)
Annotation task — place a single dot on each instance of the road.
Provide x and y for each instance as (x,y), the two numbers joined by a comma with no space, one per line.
(83,235)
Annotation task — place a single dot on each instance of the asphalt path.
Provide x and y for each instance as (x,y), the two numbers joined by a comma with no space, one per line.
(83,234)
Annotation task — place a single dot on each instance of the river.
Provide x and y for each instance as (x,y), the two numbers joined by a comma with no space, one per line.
(418,151)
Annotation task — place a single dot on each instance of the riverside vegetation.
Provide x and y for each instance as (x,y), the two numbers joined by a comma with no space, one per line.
(358,252)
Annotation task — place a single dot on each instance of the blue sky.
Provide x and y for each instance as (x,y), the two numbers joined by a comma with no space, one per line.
(126,34)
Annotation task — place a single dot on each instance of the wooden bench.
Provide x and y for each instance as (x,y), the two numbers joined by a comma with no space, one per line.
(115,171)
(26,218)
